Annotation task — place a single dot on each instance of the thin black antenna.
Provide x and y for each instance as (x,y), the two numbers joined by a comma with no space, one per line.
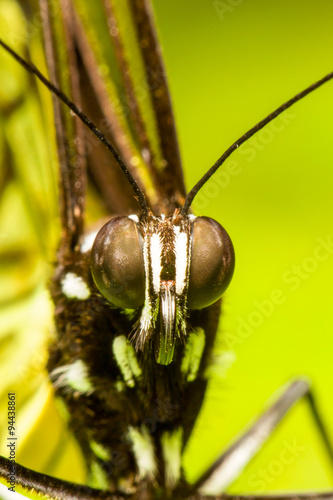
(84,118)
(246,136)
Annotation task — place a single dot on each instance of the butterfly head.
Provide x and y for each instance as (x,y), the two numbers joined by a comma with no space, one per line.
(165,265)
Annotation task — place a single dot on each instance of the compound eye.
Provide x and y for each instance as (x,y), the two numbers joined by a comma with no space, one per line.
(117,263)
(212,263)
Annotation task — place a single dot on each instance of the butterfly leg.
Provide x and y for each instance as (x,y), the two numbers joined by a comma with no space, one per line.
(232,461)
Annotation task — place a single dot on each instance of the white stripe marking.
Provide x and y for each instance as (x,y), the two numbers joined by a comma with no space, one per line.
(193,354)
(99,451)
(143,449)
(74,287)
(181,247)
(134,218)
(156,255)
(73,376)
(88,241)
(126,360)
(172,448)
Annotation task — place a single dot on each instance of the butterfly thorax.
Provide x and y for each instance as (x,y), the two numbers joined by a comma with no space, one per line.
(131,413)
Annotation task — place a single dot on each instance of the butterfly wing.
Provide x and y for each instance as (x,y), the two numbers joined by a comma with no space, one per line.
(142,130)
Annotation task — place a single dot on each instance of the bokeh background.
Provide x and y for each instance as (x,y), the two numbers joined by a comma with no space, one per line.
(229,64)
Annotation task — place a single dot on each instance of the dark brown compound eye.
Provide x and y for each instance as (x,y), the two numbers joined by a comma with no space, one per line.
(117,263)
(212,263)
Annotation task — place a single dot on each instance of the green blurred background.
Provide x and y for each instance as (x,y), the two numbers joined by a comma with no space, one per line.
(229,64)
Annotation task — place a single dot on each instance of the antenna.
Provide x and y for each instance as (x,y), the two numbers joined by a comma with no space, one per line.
(84,118)
(246,136)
